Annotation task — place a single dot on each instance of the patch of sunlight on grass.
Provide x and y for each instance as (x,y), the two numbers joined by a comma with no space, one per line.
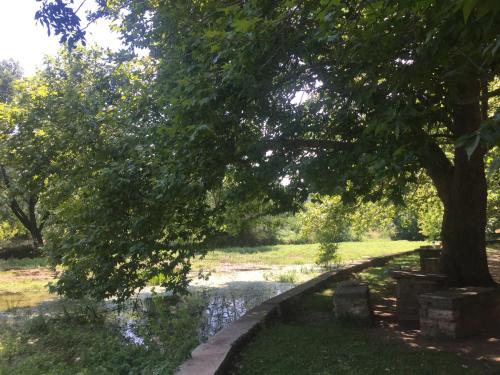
(300,254)
(23,283)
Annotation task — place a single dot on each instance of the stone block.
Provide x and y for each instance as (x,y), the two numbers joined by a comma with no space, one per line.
(442,314)
(430,265)
(459,312)
(410,285)
(426,252)
(351,300)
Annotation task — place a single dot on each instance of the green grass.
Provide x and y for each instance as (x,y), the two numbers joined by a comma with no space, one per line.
(379,279)
(23,282)
(60,348)
(87,341)
(300,254)
(312,344)
(333,348)
(18,264)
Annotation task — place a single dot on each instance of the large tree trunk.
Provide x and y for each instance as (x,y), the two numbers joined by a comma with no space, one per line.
(463,233)
(36,236)
(464,197)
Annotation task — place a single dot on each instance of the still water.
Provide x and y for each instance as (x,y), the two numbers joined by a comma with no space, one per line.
(223,303)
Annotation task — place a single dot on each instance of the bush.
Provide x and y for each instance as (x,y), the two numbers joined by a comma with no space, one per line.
(325,220)
(406,226)
(260,231)
(327,254)
(18,249)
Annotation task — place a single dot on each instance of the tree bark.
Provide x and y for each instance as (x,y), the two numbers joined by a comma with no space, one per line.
(36,229)
(29,219)
(464,198)
(36,236)
(464,257)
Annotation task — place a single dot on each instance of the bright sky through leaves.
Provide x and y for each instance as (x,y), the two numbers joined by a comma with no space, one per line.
(24,40)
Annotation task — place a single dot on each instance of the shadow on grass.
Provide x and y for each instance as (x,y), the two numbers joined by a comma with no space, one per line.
(313,342)
(15,264)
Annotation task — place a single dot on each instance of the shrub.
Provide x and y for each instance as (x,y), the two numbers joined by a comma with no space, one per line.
(259,231)
(406,225)
(290,277)
(327,254)
(18,249)
(325,220)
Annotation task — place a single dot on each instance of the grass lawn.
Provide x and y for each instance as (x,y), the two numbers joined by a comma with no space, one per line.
(23,282)
(332,348)
(313,343)
(300,254)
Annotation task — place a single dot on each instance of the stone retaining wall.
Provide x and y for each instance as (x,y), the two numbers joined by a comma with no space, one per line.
(216,355)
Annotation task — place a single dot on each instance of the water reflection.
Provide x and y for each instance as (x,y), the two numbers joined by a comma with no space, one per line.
(129,331)
(225,305)
(222,306)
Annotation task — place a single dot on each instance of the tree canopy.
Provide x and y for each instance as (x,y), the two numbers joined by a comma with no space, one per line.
(10,71)
(354,98)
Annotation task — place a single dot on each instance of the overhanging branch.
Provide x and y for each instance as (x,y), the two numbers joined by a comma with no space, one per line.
(311,144)
(437,165)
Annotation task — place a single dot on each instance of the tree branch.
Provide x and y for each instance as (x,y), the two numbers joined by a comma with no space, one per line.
(31,209)
(18,212)
(438,166)
(43,220)
(324,144)
(491,94)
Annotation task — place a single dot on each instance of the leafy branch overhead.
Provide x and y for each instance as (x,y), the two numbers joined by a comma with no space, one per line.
(333,97)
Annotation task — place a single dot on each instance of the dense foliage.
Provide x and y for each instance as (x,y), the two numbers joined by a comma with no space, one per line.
(10,71)
(267,92)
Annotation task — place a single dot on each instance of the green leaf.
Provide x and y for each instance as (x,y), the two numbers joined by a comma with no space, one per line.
(467,7)
(243,24)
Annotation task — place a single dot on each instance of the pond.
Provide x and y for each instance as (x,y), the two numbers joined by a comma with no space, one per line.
(225,297)
(222,305)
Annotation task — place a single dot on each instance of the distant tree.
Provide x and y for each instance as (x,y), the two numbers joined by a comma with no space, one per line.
(25,154)
(326,220)
(10,71)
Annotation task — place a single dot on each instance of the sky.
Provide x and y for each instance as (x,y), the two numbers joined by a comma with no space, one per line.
(22,39)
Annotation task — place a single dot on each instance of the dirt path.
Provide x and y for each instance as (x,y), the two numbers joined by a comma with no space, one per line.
(483,347)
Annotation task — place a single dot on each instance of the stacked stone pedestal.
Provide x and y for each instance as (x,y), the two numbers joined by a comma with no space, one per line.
(410,285)
(351,300)
(429,259)
(431,265)
(459,312)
